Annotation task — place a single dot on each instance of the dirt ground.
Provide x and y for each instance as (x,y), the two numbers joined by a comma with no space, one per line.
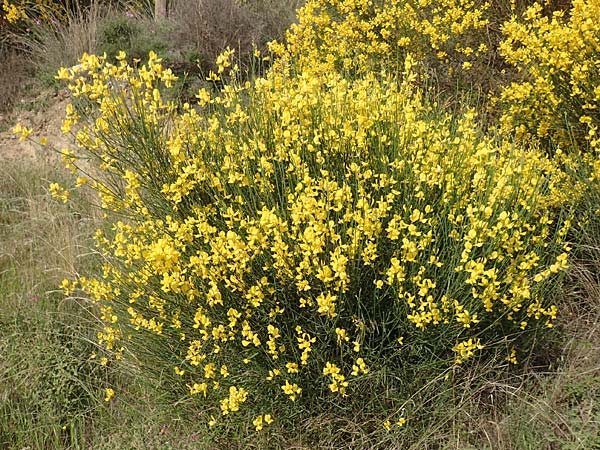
(44,114)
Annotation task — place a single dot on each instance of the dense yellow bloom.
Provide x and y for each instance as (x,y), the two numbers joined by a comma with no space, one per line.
(273,231)
(12,13)
(559,95)
(355,36)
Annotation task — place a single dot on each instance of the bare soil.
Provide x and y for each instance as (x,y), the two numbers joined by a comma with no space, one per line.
(44,114)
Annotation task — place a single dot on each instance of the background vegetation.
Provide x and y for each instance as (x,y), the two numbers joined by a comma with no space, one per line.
(413,145)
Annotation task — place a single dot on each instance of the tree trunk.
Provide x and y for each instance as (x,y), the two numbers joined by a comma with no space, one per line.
(160,9)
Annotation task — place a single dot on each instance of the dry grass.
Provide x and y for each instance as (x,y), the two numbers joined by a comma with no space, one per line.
(59,43)
(48,383)
(14,74)
(555,406)
(41,240)
(207,27)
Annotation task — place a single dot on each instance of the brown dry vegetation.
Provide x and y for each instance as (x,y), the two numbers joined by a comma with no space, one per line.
(14,73)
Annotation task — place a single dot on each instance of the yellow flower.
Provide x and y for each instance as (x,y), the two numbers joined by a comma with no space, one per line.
(63,74)
(198,388)
(224,371)
(258,423)
(80,181)
(292,367)
(13,13)
(512,358)
(59,193)
(341,335)
(466,349)
(22,131)
(110,393)
(292,390)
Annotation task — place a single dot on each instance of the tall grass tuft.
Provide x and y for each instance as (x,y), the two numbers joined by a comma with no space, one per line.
(49,383)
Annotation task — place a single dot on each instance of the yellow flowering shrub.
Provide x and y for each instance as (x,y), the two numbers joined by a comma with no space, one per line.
(289,238)
(355,36)
(19,12)
(559,57)
(11,12)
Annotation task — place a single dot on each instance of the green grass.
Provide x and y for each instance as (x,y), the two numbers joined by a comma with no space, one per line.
(46,375)
(51,386)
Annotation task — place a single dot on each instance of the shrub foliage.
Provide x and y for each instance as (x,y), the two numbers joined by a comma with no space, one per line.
(291,239)
(558,54)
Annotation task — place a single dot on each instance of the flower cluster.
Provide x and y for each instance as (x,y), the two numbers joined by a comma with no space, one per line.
(558,97)
(356,36)
(22,11)
(12,13)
